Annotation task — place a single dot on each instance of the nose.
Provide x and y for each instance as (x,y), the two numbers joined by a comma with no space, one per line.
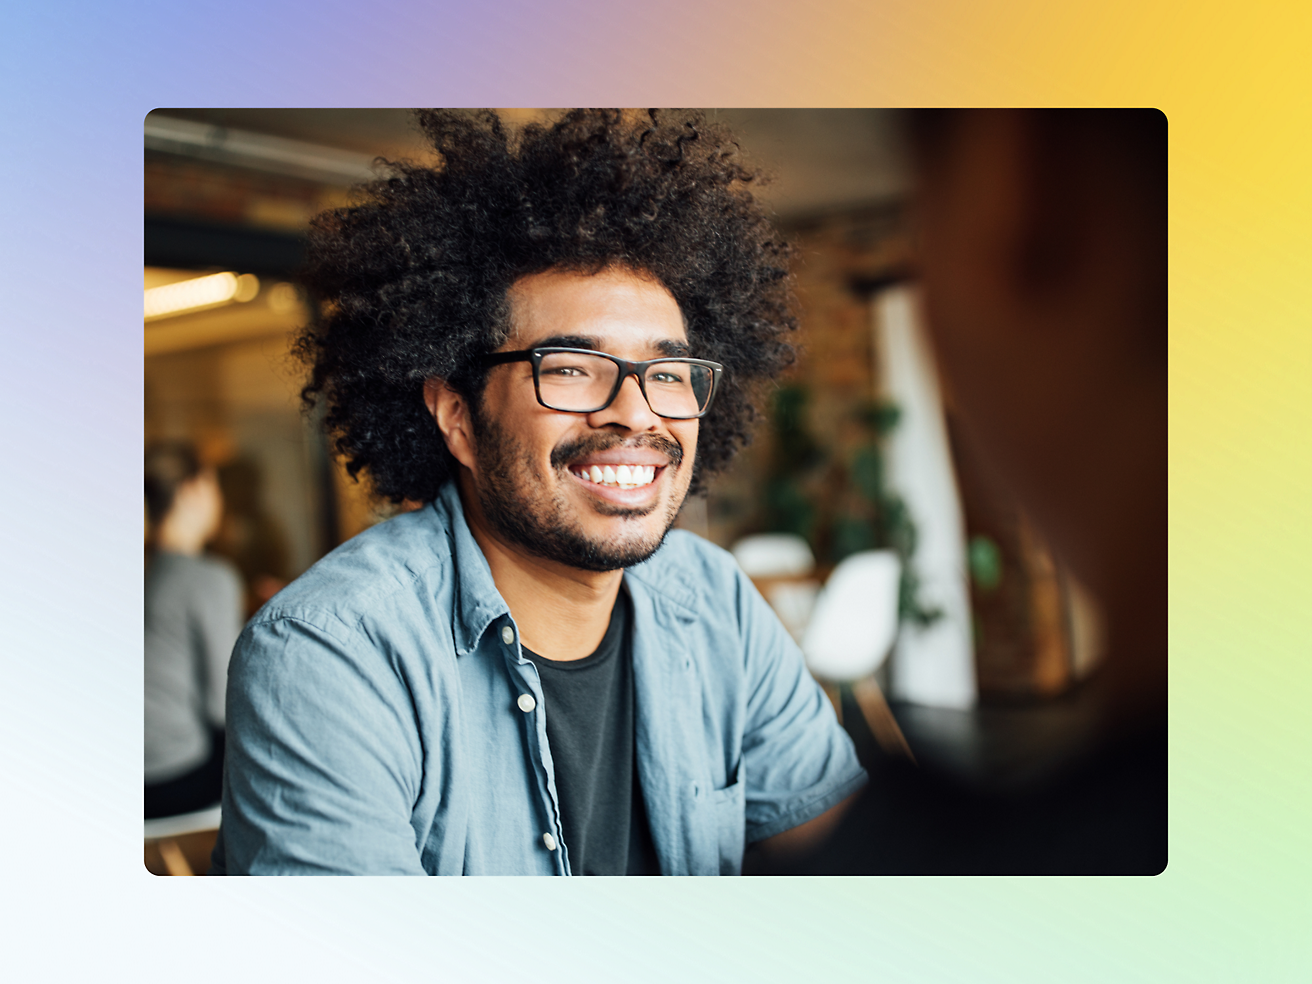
(629,410)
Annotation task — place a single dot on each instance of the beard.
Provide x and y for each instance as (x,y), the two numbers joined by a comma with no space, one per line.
(517,504)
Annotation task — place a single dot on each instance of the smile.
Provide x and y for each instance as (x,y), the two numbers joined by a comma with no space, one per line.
(619,476)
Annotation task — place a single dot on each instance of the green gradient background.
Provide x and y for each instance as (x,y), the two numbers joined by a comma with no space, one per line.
(1234,902)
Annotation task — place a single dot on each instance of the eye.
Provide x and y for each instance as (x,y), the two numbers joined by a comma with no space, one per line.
(665,376)
(564,372)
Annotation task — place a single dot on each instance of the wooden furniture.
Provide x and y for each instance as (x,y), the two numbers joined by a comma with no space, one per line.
(181,845)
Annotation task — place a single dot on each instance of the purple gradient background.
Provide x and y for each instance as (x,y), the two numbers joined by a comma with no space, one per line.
(79,78)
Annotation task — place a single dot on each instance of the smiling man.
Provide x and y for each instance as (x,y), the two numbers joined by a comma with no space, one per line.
(549,339)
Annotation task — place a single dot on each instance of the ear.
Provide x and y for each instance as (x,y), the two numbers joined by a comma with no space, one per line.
(450,411)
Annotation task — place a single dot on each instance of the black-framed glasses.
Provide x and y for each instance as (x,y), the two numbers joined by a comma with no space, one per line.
(583,381)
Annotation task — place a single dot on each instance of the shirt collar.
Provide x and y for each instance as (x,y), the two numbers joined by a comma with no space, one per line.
(478,603)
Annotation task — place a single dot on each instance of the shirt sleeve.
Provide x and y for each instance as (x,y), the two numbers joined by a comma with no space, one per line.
(324,761)
(797,759)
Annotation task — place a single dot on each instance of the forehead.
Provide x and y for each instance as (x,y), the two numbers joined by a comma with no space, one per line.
(614,309)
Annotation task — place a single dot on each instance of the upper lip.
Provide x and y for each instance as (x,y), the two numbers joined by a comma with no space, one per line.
(623,456)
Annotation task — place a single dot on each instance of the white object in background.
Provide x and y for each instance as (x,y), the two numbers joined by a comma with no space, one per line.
(855,619)
(934,665)
(1088,633)
(184,823)
(774,555)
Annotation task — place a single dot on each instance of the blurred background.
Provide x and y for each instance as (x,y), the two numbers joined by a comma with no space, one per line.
(857,449)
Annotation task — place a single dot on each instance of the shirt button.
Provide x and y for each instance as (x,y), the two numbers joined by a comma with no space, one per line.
(526,702)
(507,635)
(549,841)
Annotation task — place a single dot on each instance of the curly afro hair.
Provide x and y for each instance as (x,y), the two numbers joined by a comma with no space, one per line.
(412,280)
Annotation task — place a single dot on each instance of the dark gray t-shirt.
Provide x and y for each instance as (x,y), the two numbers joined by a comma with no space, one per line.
(589,704)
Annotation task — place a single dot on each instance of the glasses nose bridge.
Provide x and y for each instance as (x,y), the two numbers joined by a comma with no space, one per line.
(635,369)
(628,369)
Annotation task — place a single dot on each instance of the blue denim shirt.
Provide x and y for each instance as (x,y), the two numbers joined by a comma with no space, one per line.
(376,720)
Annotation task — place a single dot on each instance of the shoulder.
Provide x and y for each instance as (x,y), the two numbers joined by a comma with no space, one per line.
(369,621)
(687,565)
(397,562)
(697,577)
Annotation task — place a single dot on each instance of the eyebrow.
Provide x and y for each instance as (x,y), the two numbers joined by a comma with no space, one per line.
(569,341)
(671,347)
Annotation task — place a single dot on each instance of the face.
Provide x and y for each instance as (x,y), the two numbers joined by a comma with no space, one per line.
(199,502)
(595,491)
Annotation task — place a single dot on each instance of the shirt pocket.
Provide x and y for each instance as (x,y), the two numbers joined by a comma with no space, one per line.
(729,810)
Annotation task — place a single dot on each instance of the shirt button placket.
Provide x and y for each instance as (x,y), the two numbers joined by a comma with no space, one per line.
(526,703)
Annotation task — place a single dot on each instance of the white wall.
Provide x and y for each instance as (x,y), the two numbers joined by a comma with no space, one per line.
(934,665)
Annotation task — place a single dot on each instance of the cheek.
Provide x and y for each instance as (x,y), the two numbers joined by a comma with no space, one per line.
(686,435)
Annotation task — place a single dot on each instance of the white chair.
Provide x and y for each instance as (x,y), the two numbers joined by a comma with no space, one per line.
(780,565)
(851,633)
(163,834)
(774,555)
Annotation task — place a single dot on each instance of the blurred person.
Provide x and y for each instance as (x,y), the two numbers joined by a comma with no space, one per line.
(1042,253)
(550,339)
(193,616)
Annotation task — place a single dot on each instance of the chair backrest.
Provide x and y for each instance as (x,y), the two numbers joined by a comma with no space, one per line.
(854,622)
(774,555)
(183,823)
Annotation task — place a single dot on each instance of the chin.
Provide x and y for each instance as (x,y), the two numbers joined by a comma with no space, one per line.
(612,538)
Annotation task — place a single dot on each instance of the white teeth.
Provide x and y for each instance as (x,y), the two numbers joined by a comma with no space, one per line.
(624,476)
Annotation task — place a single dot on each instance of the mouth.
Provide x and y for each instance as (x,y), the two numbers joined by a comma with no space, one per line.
(619,471)
(618,476)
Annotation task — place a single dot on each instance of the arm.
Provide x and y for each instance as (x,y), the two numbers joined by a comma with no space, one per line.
(324,762)
(807,836)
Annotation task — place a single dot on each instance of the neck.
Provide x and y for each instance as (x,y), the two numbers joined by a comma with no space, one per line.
(561,612)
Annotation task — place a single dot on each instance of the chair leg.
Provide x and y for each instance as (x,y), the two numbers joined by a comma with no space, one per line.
(174,860)
(880,718)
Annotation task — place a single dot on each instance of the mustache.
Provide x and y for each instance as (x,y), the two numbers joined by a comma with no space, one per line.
(563,454)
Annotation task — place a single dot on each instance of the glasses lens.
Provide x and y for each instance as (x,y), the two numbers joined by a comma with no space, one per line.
(678,389)
(570,381)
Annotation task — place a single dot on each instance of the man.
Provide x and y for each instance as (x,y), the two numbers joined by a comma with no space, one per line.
(550,339)
(1043,261)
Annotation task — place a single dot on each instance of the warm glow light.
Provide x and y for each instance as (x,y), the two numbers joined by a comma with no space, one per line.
(200,292)
(284,298)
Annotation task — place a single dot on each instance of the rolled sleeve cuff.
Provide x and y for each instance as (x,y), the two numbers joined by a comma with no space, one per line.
(808,810)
